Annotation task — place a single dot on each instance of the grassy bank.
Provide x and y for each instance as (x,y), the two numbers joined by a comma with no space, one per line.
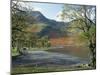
(30,69)
(14,52)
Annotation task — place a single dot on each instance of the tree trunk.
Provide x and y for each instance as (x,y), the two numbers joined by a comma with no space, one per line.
(93,54)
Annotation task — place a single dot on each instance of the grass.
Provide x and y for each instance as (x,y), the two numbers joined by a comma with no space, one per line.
(14,52)
(30,69)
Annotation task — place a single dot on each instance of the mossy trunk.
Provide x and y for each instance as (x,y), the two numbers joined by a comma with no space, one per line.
(93,54)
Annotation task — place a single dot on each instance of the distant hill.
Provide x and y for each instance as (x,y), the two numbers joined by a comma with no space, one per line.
(45,26)
(51,28)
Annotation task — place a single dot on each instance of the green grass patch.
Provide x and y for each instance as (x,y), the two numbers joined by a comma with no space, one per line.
(34,69)
(14,52)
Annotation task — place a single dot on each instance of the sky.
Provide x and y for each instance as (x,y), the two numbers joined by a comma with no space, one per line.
(49,10)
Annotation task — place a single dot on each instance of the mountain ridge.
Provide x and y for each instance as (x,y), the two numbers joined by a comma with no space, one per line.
(51,28)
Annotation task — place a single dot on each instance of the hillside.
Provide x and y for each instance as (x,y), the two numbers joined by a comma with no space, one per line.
(46,26)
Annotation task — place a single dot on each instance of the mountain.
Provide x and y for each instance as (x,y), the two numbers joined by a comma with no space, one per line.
(38,16)
(46,26)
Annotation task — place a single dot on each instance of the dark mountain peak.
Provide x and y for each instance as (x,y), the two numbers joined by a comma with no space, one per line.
(35,13)
(38,16)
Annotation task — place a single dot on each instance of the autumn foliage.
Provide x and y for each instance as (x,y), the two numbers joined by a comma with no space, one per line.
(61,41)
